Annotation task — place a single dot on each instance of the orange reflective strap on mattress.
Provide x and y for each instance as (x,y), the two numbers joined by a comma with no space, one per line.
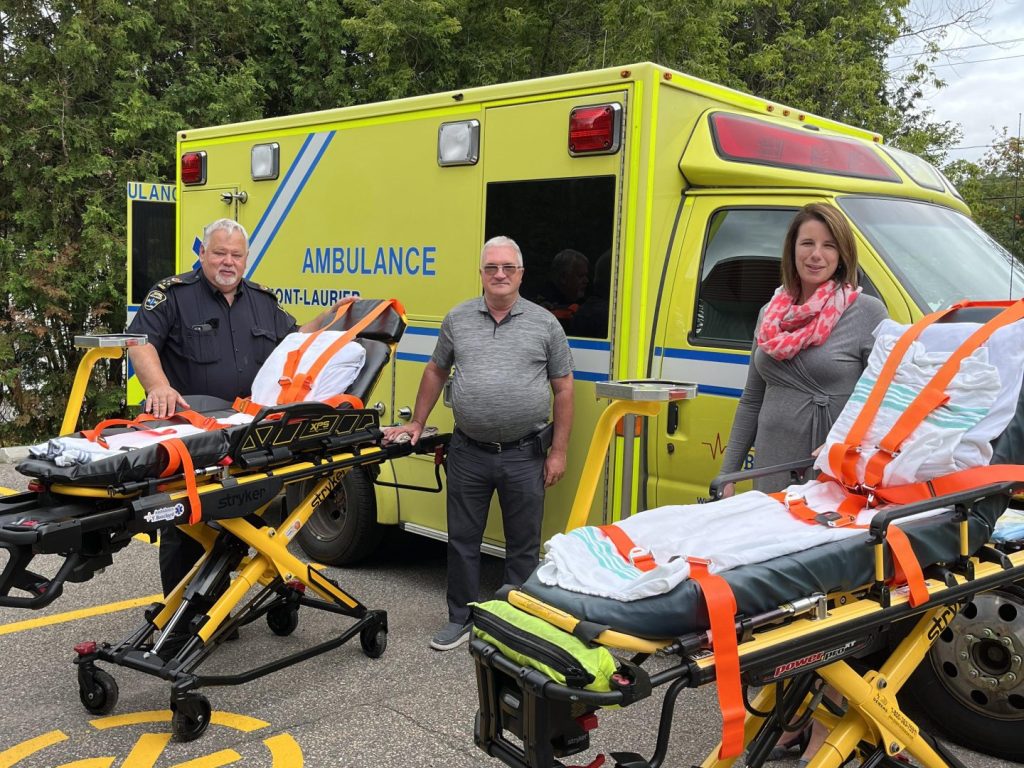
(842,457)
(198,420)
(629,551)
(94,435)
(178,456)
(954,482)
(246,405)
(295,386)
(907,567)
(721,605)
(934,393)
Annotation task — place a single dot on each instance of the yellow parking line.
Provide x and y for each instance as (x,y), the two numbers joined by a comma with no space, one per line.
(84,613)
(11,756)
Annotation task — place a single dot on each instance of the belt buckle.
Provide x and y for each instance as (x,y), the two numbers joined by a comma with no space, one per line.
(793,498)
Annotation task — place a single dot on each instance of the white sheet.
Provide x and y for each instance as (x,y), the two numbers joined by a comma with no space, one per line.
(335,378)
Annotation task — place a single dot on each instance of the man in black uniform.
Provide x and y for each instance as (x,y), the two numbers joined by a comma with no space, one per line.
(209,332)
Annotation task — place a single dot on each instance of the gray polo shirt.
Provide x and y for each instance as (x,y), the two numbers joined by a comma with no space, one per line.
(501,390)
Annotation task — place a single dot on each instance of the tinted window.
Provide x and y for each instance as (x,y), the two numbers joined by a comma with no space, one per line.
(565,229)
(152,246)
(739,273)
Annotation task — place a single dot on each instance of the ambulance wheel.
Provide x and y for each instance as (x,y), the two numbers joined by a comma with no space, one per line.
(283,620)
(972,682)
(190,720)
(374,640)
(99,696)
(344,529)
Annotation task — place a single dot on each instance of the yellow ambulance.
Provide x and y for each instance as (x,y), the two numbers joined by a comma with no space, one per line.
(670,196)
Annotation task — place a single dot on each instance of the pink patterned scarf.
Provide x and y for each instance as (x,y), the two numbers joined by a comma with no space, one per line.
(788,327)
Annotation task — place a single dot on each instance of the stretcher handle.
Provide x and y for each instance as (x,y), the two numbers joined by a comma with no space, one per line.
(883,518)
(54,587)
(798,468)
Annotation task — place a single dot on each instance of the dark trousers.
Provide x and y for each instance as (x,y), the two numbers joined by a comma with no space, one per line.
(178,553)
(473,476)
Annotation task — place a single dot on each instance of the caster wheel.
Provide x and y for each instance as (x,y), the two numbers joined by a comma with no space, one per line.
(190,721)
(99,696)
(374,640)
(283,620)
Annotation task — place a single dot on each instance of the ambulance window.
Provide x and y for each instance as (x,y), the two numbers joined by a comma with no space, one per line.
(152,246)
(740,271)
(565,229)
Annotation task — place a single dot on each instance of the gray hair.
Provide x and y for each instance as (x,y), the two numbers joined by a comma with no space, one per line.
(499,241)
(227,225)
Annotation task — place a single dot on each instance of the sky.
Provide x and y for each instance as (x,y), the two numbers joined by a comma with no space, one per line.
(983,67)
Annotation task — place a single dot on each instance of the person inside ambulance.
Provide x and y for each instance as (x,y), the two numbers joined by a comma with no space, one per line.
(209,332)
(567,285)
(813,342)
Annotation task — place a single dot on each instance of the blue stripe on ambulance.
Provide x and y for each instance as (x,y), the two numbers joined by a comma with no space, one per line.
(288,191)
(714,373)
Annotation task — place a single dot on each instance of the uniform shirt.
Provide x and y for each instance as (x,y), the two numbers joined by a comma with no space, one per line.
(206,346)
(501,389)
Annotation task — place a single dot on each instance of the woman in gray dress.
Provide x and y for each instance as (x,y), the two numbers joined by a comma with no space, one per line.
(812,344)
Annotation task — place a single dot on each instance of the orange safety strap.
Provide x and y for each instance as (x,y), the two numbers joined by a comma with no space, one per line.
(291,364)
(337,400)
(907,567)
(246,405)
(842,457)
(94,435)
(721,605)
(295,386)
(196,419)
(954,482)
(178,456)
(629,551)
(934,393)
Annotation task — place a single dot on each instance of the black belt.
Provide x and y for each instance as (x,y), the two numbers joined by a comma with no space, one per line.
(514,445)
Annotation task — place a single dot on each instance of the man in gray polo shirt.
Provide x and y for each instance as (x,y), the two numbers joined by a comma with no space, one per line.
(509,356)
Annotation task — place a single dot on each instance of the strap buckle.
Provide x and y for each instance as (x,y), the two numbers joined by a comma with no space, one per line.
(792,498)
(705,561)
(639,556)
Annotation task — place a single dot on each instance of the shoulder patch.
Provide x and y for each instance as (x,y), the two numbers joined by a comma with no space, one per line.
(154,299)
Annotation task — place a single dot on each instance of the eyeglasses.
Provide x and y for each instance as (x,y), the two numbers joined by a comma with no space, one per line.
(507,269)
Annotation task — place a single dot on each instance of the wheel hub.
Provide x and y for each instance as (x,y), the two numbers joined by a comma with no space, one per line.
(980,656)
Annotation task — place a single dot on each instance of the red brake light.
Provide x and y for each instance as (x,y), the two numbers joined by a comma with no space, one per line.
(595,130)
(193,168)
(750,140)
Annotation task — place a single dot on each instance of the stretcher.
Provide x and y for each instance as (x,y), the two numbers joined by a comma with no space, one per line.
(222,485)
(856,613)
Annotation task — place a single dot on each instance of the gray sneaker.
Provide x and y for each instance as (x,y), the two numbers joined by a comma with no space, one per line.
(452,635)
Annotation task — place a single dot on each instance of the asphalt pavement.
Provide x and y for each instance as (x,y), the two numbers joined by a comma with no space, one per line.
(412,707)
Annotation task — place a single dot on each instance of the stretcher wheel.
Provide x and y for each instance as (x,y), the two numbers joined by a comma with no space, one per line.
(344,529)
(191,718)
(283,620)
(99,695)
(971,684)
(374,640)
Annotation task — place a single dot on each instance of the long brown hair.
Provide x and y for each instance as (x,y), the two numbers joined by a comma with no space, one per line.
(846,243)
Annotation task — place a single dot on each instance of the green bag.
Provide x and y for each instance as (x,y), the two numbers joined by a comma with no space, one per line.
(534,643)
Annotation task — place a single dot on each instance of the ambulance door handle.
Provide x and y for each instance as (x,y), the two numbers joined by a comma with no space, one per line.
(229,197)
(673,418)
(405,413)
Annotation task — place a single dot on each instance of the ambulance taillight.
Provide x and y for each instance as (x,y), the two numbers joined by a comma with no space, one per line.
(193,168)
(595,130)
(749,140)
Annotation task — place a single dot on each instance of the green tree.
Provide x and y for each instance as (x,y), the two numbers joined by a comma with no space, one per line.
(994,189)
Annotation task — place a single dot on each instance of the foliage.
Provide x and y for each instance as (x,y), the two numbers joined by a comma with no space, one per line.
(92,93)
(994,189)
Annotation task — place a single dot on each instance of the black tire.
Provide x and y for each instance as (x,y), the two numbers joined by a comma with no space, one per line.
(374,640)
(971,684)
(283,620)
(189,727)
(100,698)
(344,528)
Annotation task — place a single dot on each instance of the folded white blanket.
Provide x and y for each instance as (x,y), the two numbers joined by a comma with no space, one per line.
(335,378)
